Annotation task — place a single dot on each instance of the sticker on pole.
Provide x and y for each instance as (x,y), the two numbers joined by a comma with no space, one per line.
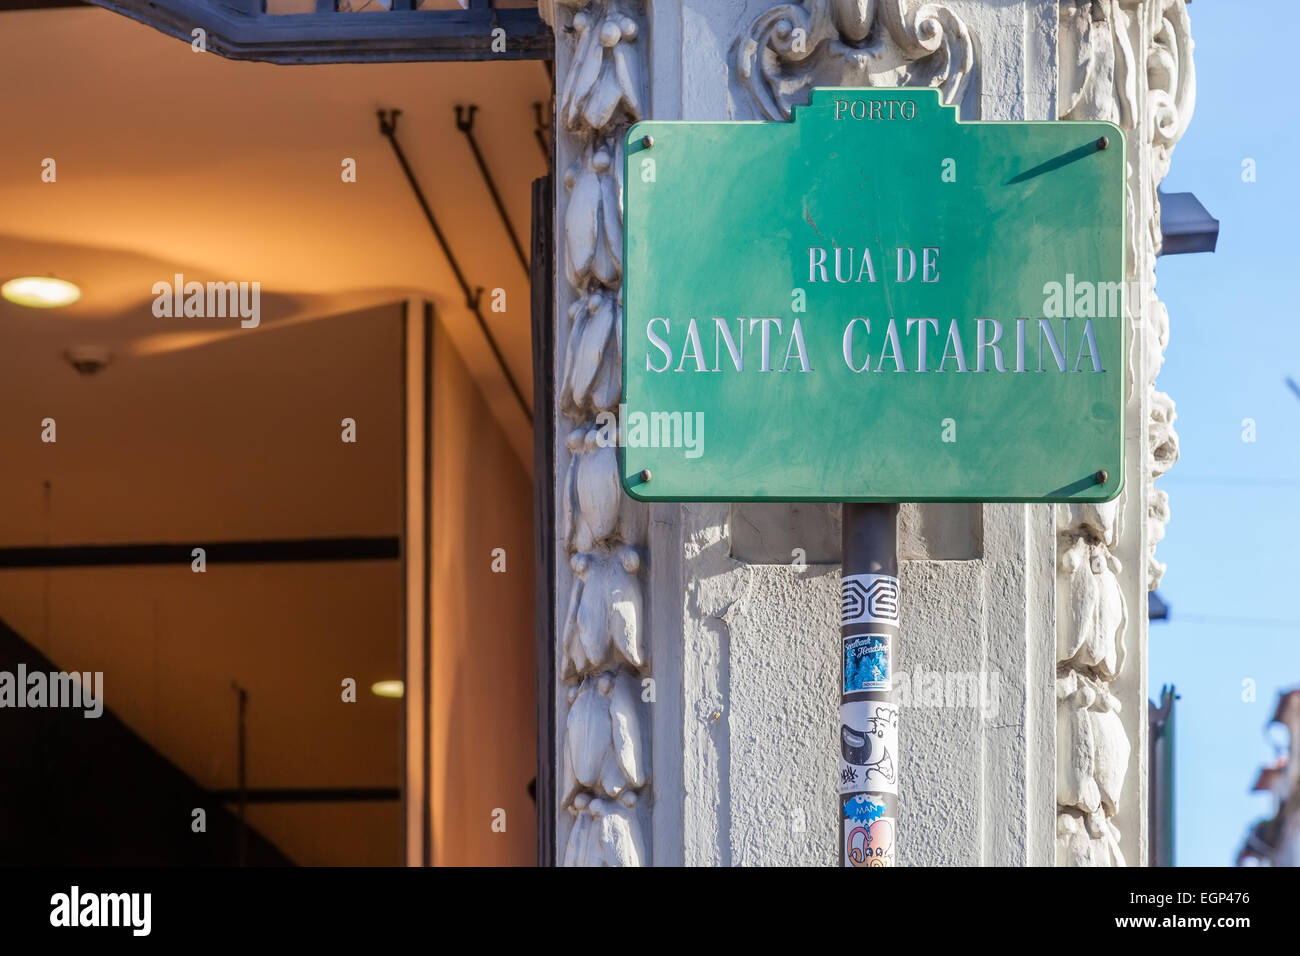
(869,831)
(873,302)
(868,746)
(868,599)
(867,663)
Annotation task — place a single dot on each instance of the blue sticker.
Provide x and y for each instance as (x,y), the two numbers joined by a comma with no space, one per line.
(866,663)
(863,809)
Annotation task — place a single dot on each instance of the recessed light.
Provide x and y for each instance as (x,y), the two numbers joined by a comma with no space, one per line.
(388,688)
(40,292)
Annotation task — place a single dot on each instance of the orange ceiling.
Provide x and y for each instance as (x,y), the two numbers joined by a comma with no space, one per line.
(174,161)
(170,161)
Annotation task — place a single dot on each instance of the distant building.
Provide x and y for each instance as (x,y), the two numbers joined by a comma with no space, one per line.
(641,683)
(1276,841)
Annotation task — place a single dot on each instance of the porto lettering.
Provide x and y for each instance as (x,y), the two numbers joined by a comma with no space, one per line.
(875,109)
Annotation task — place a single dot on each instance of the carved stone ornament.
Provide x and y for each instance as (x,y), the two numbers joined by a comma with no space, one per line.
(1128,62)
(793,47)
(604,746)
(1092,756)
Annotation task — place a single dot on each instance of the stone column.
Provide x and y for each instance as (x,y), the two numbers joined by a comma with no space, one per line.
(1128,62)
(603,663)
(737,606)
(744,598)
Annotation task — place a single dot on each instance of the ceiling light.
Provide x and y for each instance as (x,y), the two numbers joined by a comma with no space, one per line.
(388,688)
(40,292)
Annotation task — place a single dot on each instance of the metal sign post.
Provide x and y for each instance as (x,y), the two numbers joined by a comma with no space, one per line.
(869,600)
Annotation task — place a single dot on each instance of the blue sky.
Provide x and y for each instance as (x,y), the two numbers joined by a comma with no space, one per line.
(1235,321)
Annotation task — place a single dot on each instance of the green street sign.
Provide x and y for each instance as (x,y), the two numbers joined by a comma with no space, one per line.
(873,302)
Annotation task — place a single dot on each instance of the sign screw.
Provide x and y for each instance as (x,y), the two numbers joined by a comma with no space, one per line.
(647,141)
(645,475)
(1103,142)
(1100,477)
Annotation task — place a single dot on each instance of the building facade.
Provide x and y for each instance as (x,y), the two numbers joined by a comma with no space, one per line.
(728,612)
(1275,840)
(688,655)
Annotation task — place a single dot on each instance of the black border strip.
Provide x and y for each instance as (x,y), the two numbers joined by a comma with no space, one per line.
(241,30)
(386,548)
(427,676)
(407,729)
(308,794)
(543,308)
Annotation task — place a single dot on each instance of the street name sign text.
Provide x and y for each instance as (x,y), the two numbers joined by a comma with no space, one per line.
(873,302)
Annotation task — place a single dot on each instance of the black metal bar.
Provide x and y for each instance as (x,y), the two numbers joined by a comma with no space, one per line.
(543,287)
(1161,801)
(307,794)
(1185,225)
(332,37)
(869,632)
(10,5)
(465,123)
(388,127)
(242,792)
(407,728)
(540,134)
(426,674)
(1157,609)
(225,552)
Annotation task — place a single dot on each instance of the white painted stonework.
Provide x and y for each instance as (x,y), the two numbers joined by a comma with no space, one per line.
(1129,63)
(698,645)
(603,700)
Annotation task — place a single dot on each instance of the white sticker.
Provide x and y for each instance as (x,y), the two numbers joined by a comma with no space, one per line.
(868,746)
(869,599)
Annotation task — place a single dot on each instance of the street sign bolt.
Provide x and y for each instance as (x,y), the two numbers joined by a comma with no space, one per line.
(1100,477)
(1103,142)
(645,475)
(647,141)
